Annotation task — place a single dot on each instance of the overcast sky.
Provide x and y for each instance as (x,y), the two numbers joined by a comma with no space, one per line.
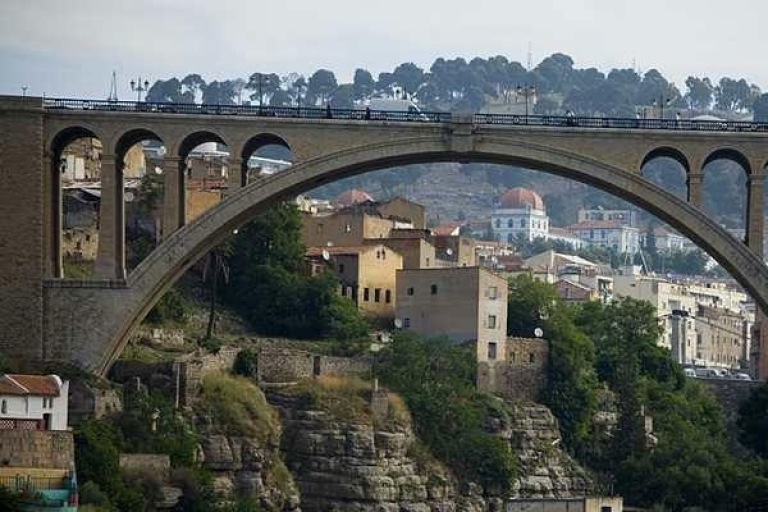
(70,47)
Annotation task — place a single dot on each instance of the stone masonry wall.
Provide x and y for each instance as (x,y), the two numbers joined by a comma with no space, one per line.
(22,259)
(287,365)
(522,375)
(37,449)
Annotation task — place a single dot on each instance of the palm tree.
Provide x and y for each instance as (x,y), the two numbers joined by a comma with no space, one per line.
(217,263)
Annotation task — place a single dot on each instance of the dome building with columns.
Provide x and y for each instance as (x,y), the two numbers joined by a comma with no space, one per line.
(520,212)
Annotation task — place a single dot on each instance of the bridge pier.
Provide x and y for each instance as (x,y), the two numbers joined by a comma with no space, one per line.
(236,175)
(696,188)
(110,259)
(755,211)
(174,200)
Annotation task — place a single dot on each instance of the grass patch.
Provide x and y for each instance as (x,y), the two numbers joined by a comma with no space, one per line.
(237,407)
(342,398)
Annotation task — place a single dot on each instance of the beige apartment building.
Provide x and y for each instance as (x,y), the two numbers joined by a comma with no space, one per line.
(346,228)
(367,274)
(462,303)
(416,252)
(721,337)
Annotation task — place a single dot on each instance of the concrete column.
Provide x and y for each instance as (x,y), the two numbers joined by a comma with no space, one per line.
(755,214)
(696,188)
(174,200)
(110,260)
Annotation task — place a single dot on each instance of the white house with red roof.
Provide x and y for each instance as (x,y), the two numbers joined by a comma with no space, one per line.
(33,402)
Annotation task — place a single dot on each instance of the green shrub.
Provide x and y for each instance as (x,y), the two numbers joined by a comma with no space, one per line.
(91,494)
(246,363)
(9,500)
(172,307)
(437,380)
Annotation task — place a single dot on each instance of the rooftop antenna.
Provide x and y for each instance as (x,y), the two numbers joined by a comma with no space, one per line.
(113,88)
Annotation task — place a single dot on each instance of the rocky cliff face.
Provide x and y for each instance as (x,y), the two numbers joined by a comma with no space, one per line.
(240,444)
(243,466)
(545,471)
(353,466)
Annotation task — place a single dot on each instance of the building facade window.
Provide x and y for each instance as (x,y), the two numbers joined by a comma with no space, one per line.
(410,291)
(377,295)
(493,293)
(406,322)
(4,407)
(491,321)
(388,296)
(433,289)
(341,267)
(366,294)
(492,351)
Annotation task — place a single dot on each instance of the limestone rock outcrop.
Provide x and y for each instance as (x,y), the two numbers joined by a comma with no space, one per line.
(355,467)
(545,470)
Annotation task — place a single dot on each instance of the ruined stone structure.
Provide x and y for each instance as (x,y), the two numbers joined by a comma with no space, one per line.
(49,317)
(520,375)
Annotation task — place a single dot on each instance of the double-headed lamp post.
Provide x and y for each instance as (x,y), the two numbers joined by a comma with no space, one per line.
(526,91)
(661,103)
(138,87)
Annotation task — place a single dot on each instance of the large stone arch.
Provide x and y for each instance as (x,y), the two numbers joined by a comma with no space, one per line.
(177,253)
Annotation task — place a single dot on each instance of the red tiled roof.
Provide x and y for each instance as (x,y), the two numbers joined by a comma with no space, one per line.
(39,385)
(445,229)
(520,198)
(353,196)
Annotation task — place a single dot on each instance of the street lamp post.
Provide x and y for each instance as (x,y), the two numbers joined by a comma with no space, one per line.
(661,103)
(138,87)
(261,95)
(526,91)
(299,87)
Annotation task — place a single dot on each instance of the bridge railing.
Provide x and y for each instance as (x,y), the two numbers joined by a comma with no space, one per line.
(401,116)
(621,123)
(247,110)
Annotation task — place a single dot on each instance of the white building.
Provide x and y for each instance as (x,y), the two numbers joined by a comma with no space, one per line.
(520,213)
(33,402)
(623,217)
(666,240)
(609,234)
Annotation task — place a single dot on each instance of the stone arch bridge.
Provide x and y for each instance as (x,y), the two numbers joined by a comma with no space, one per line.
(46,316)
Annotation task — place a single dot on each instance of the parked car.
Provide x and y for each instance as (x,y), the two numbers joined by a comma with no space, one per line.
(710,373)
(740,376)
(689,372)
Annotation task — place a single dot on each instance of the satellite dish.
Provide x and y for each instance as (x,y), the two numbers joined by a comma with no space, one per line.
(158,170)
(449,252)
(326,255)
(538,332)
(398,323)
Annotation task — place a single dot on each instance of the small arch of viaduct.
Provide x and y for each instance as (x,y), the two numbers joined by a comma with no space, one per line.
(121,307)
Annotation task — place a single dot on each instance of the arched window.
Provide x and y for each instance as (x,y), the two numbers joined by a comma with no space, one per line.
(4,407)
(510,238)
(522,223)
(498,223)
(510,223)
